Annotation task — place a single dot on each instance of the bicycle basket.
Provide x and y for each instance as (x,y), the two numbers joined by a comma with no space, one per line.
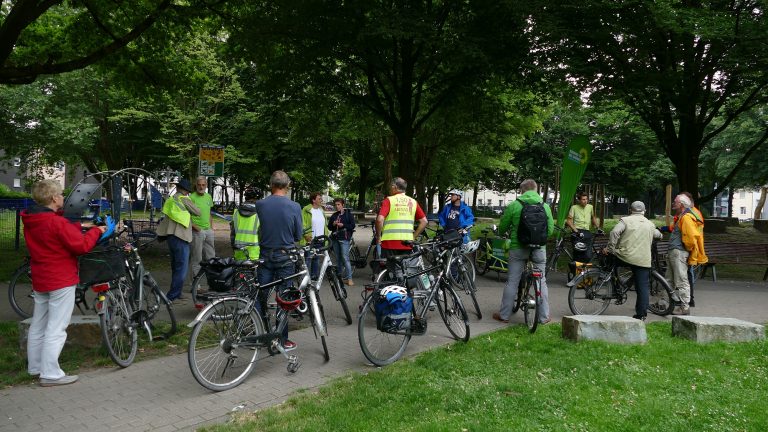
(100,266)
(452,238)
(470,247)
(393,309)
(220,273)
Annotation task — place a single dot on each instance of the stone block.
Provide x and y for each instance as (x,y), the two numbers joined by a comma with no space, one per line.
(83,331)
(714,329)
(715,226)
(615,329)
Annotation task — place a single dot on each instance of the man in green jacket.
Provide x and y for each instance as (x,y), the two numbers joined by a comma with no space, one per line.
(315,224)
(519,254)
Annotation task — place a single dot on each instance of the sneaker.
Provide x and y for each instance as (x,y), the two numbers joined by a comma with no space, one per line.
(639,317)
(289,345)
(349,282)
(692,303)
(66,379)
(546,321)
(681,310)
(497,317)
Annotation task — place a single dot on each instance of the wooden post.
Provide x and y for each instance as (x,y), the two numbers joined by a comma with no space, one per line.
(668,206)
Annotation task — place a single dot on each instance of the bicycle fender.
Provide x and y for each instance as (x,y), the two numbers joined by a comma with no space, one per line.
(200,314)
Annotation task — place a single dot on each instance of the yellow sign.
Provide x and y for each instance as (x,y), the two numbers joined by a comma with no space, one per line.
(212,154)
(211,161)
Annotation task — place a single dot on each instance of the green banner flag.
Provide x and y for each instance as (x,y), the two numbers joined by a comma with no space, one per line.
(574,164)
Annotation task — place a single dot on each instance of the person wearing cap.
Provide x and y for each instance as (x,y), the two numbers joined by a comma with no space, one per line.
(244,228)
(686,248)
(394,223)
(630,241)
(456,214)
(176,228)
(201,248)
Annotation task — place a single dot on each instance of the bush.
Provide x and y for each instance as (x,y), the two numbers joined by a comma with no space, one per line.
(7,193)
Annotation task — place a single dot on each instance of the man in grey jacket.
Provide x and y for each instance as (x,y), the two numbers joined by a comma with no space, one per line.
(630,241)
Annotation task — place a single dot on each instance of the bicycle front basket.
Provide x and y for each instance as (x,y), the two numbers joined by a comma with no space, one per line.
(100,266)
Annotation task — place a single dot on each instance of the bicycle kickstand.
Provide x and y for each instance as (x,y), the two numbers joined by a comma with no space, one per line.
(293,360)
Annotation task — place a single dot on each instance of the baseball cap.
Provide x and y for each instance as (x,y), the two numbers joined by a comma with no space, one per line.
(456,192)
(637,207)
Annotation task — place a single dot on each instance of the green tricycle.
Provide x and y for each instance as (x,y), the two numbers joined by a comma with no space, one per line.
(493,252)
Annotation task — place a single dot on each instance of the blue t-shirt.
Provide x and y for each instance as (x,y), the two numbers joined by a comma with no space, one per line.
(452,219)
(279,222)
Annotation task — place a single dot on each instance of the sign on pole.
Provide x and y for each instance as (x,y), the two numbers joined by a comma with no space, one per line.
(211,160)
(577,156)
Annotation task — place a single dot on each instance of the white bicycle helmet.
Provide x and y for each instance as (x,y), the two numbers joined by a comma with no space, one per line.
(470,247)
(394,293)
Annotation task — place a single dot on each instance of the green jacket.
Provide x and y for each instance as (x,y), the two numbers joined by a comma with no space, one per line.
(511,217)
(306,222)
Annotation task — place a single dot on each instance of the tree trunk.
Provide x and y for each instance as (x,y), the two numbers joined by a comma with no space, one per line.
(389,148)
(475,190)
(760,203)
(730,203)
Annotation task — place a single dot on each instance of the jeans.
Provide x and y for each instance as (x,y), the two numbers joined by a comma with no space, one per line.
(201,249)
(517,260)
(277,265)
(343,266)
(642,278)
(179,264)
(48,331)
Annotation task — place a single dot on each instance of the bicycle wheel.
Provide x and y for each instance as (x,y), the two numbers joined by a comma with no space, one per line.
(318,320)
(660,295)
(530,303)
(481,258)
(520,293)
(469,286)
(20,293)
(117,330)
(380,348)
(356,261)
(223,346)
(452,312)
(340,293)
(552,261)
(590,293)
(198,281)
(155,301)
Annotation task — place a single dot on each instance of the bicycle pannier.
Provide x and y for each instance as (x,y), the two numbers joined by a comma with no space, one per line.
(393,309)
(100,266)
(532,229)
(220,274)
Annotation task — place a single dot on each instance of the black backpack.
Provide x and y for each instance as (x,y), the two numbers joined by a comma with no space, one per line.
(532,229)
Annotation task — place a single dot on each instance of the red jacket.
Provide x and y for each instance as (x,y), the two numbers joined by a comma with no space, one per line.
(54,244)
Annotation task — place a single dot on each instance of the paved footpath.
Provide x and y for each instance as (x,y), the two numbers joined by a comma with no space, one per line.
(162,395)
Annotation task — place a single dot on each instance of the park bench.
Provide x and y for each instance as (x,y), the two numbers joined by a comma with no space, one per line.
(735,253)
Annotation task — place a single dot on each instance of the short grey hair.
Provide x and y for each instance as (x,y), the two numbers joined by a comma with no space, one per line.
(400,184)
(684,200)
(44,191)
(279,180)
(528,185)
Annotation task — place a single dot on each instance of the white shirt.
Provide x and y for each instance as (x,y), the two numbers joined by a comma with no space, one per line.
(318,222)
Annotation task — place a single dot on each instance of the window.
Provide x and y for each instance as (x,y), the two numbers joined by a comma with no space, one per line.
(501,203)
(17,161)
(17,183)
(742,195)
(743,210)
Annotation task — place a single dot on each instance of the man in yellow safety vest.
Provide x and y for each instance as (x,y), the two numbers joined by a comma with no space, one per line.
(244,232)
(176,228)
(395,220)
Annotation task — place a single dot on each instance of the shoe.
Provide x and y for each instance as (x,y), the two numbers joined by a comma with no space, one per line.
(546,321)
(639,317)
(66,379)
(181,297)
(681,310)
(692,303)
(497,317)
(349,282)
(289,345)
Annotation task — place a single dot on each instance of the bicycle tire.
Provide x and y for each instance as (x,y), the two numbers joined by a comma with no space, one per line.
(356,261)
(118,332)
(155,300)
(217,356)
(21,296)
(590,293)
(380,348)
(452,312)
(481,258)
(469,287)
(552,261)
(660,295)
(531,302)
(340,293)
(319,325)
(520,293)
(197,298)
(471,268)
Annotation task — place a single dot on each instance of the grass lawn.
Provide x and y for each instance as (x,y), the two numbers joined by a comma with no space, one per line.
(510,380)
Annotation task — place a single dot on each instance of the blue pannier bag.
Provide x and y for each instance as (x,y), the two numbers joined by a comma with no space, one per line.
(393,309)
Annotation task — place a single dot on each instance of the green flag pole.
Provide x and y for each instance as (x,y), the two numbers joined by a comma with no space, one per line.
(577,155)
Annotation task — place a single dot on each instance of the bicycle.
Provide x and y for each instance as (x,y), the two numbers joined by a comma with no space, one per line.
(127,302)
(228,334)
(462,272)
(383,345)
(591,292)
(529,296)
(21,296)
(357,260)
(491,253)
(561,248)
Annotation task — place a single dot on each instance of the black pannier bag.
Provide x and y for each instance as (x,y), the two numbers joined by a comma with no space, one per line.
(220,273)
(101,265)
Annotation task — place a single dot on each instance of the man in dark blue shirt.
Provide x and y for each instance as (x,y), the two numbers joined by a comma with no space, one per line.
(456,214)
(280,229)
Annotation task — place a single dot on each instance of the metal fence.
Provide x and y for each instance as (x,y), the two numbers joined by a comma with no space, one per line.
(11,232)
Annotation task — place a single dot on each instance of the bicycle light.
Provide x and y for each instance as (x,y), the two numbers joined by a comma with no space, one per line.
(100,287)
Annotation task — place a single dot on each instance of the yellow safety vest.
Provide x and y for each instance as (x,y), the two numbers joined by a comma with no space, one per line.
(174,209)
(398,225)
(246,235)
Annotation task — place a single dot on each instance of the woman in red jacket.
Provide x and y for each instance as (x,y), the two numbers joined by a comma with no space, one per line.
(54,244)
